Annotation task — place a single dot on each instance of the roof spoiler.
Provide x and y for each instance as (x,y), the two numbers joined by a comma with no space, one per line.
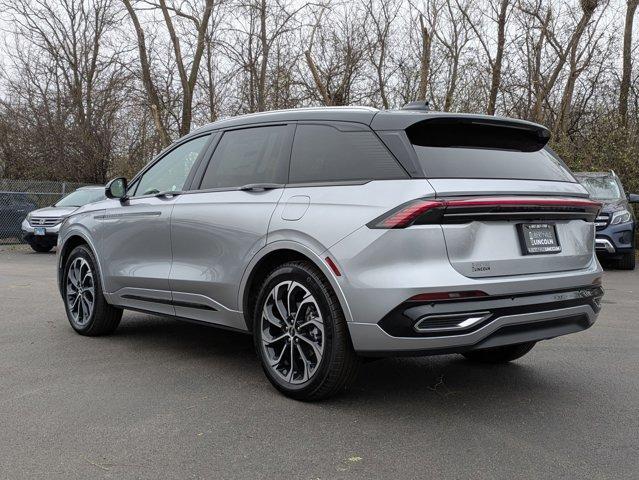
(478,132)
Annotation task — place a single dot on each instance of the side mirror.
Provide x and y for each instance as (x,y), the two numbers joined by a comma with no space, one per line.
(633,198)
(116,188)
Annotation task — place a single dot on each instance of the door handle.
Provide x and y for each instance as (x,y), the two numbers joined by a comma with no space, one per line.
(167,194)
(260,187)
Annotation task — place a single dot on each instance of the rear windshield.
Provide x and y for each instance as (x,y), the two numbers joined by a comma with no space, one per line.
(459,149)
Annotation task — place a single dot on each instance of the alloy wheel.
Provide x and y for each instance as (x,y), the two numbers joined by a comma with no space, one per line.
(292,331)
(80,291)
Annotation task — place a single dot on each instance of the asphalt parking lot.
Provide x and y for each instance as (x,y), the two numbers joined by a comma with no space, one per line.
(167,399)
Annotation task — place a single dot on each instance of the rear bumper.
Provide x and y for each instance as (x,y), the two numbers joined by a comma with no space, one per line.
(511,320)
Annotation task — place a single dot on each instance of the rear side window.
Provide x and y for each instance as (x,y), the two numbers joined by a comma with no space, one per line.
(251,155)
(452,148)
(322,153)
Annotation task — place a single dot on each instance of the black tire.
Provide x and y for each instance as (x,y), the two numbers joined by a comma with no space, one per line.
(41,247)
(626,262)
(504,354)
(339,364)
(103,318)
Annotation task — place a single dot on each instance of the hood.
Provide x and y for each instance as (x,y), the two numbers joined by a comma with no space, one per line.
(53,212)
(610,206)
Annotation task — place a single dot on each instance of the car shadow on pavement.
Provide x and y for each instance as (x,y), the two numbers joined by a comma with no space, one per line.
(447,382)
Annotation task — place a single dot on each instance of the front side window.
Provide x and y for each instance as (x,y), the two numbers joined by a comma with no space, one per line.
(249,156)
(323,153)
(170,173)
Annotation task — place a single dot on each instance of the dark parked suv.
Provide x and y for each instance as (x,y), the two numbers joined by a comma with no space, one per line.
(14,207)
(616,223)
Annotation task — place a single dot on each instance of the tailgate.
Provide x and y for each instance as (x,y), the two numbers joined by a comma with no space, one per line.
(510,206)
(485,233)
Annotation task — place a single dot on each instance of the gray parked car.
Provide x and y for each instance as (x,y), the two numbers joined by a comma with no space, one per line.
(40,227)
(331,234)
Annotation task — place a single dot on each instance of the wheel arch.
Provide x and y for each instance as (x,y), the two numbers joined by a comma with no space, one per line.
(267,259)
(71,241)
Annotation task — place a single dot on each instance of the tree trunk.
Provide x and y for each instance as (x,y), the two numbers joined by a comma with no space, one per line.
(561,124)
(627,62)
(495,82)
(450,91)
(261,82)
(424,61)
(317,79)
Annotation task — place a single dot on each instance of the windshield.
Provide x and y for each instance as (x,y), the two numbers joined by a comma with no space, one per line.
(81,197)
(601,188)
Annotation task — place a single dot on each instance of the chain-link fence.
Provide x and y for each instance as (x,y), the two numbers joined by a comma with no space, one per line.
(19,197)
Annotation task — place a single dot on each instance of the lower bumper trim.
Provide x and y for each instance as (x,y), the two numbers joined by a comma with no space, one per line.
(604,244)
(370,339)
(30,237)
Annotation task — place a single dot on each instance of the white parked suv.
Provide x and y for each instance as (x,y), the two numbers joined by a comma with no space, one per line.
(40,227)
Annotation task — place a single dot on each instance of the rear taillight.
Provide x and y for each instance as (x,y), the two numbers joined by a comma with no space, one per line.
(406,214)
(461,210)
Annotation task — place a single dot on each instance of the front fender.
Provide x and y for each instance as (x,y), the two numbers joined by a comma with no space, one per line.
(79,227)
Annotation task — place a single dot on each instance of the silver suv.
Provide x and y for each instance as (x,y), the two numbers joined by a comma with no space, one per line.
(332,234)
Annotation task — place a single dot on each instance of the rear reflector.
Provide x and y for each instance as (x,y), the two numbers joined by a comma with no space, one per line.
(439,296)
(331,263)
(430,211)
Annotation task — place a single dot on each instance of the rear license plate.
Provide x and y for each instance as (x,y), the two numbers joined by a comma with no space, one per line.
(538,238)
(39,231)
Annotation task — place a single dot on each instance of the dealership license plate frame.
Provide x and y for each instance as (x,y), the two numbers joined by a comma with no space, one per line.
(527,243)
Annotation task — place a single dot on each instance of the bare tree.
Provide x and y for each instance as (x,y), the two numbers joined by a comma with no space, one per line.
(71,78)
(498,12)
(254,35)
(579,59)
(197,16)
(96,87)
(335,56)
(547,83)
(454,39)
(149,86)
(379,19)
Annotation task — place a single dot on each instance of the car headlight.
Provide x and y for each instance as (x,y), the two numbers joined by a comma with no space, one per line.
(622,216)
(29,217)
